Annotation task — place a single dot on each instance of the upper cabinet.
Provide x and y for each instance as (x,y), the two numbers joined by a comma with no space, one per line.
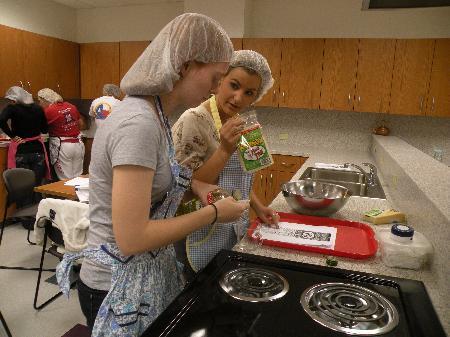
(271,49)
(410,80)
(99,66)
(438,100)
(35,61)
(237,43)
(301,73)
(374,75)
(339,74)
(129,53)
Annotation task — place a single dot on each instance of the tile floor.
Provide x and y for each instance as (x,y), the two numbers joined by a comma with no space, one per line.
(17,291)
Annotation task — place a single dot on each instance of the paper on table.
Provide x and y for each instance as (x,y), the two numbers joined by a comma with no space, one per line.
(78,181)
(82,194)
(300,234)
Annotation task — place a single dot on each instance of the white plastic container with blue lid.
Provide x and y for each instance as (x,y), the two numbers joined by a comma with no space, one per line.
(402,247)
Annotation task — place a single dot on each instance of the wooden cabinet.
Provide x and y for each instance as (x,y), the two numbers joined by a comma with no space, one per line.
(301,73)
(11,58)
(412,67)
(237,43)
(35,61)
(374,75)
(271,49)
(129,53)
(99,65)
(438,100)
(339,74)
(267,182)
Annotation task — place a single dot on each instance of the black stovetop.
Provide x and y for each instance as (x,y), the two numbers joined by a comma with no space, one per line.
(203,309)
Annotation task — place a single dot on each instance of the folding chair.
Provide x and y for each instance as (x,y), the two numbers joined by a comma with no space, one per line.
(19,183)
(55,235)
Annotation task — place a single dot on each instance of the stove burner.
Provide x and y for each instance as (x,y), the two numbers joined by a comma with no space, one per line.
(254,284)
(350,309)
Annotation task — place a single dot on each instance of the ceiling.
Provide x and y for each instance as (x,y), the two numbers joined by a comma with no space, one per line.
(108,3)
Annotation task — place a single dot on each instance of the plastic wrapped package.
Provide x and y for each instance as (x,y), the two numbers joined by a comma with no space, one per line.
(402,247)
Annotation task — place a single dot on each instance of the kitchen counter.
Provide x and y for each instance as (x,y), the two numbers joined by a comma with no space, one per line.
(353,211)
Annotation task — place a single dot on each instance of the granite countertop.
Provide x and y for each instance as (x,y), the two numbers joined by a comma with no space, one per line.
(353,210)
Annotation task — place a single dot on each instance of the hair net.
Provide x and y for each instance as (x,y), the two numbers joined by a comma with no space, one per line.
(188,37)
(252,60)
(49,95)
(111,90)
(20,95)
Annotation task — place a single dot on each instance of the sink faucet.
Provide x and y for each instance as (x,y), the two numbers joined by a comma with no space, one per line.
(372,173)
(369,177)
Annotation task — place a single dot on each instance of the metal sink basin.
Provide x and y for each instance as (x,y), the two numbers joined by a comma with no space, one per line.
(354,181)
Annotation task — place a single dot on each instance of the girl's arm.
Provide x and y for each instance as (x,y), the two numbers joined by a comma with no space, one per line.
(131,199)
(266,214)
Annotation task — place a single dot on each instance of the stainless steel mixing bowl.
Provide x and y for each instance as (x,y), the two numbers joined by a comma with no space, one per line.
(315,198)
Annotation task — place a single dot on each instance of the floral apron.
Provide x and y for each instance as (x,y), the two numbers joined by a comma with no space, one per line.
(142,285)
(203,244)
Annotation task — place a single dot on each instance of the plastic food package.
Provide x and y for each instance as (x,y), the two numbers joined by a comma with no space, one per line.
(401,251)
(252,147)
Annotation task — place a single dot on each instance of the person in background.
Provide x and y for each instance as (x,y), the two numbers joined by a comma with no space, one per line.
(64,124)
(129,273)
(28,122)
(205,140)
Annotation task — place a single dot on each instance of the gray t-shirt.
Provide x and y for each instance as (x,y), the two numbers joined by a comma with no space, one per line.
(131,135)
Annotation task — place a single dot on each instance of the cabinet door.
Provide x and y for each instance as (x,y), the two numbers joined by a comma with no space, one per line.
(374,75)
(129,53)
(99,65)
(412,67)
(301,73)
(237,43)
(65,66)
(339,74)
(11,58)
(271,50)
(36,66)
(279,178)
(439,94)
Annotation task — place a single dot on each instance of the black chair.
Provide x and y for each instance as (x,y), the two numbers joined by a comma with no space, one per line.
(54,234)
(19,183)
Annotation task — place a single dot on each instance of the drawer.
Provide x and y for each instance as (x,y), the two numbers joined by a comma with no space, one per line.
(287,163)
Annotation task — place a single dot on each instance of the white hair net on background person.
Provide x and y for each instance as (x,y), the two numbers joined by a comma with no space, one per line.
(19,95)
(49,95)
(253,60)
(188,37)
(111,90)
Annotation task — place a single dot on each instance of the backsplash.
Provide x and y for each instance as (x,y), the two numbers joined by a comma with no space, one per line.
(352,130)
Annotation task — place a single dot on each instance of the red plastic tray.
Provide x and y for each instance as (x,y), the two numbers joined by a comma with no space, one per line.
(353,239)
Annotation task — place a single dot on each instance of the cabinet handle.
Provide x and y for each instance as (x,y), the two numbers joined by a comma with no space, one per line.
(359,99)
(286,164)
(29,86)
(260,181)
(432,104)
(271,180)
(59,88)
(349,99)
(421,104)
(21,84)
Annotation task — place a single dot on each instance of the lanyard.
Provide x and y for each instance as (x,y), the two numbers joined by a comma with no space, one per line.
(215,113)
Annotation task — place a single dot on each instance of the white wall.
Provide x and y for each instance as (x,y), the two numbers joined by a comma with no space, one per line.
(229,13)
(39,16)
(343,18)
(130,23)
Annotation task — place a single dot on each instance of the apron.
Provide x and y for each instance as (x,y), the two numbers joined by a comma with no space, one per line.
(142,285)
(203,244)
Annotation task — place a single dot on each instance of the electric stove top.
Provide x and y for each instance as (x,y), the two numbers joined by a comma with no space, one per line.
(247,295)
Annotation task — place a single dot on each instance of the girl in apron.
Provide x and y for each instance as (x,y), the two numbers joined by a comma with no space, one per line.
(205,140)
(130,262)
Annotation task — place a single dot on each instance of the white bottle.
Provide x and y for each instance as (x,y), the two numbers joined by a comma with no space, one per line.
(402,247)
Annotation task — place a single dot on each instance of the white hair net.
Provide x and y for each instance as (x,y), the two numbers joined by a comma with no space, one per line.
(252,60)
(19,95)
(188,37)
(49,95)
(111,90)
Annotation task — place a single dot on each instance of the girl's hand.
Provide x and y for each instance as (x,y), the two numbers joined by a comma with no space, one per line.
(229,209)
(201,190)
(268,216)
(230,133)
(18,140)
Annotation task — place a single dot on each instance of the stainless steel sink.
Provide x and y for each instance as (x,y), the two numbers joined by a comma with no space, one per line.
(354,181)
